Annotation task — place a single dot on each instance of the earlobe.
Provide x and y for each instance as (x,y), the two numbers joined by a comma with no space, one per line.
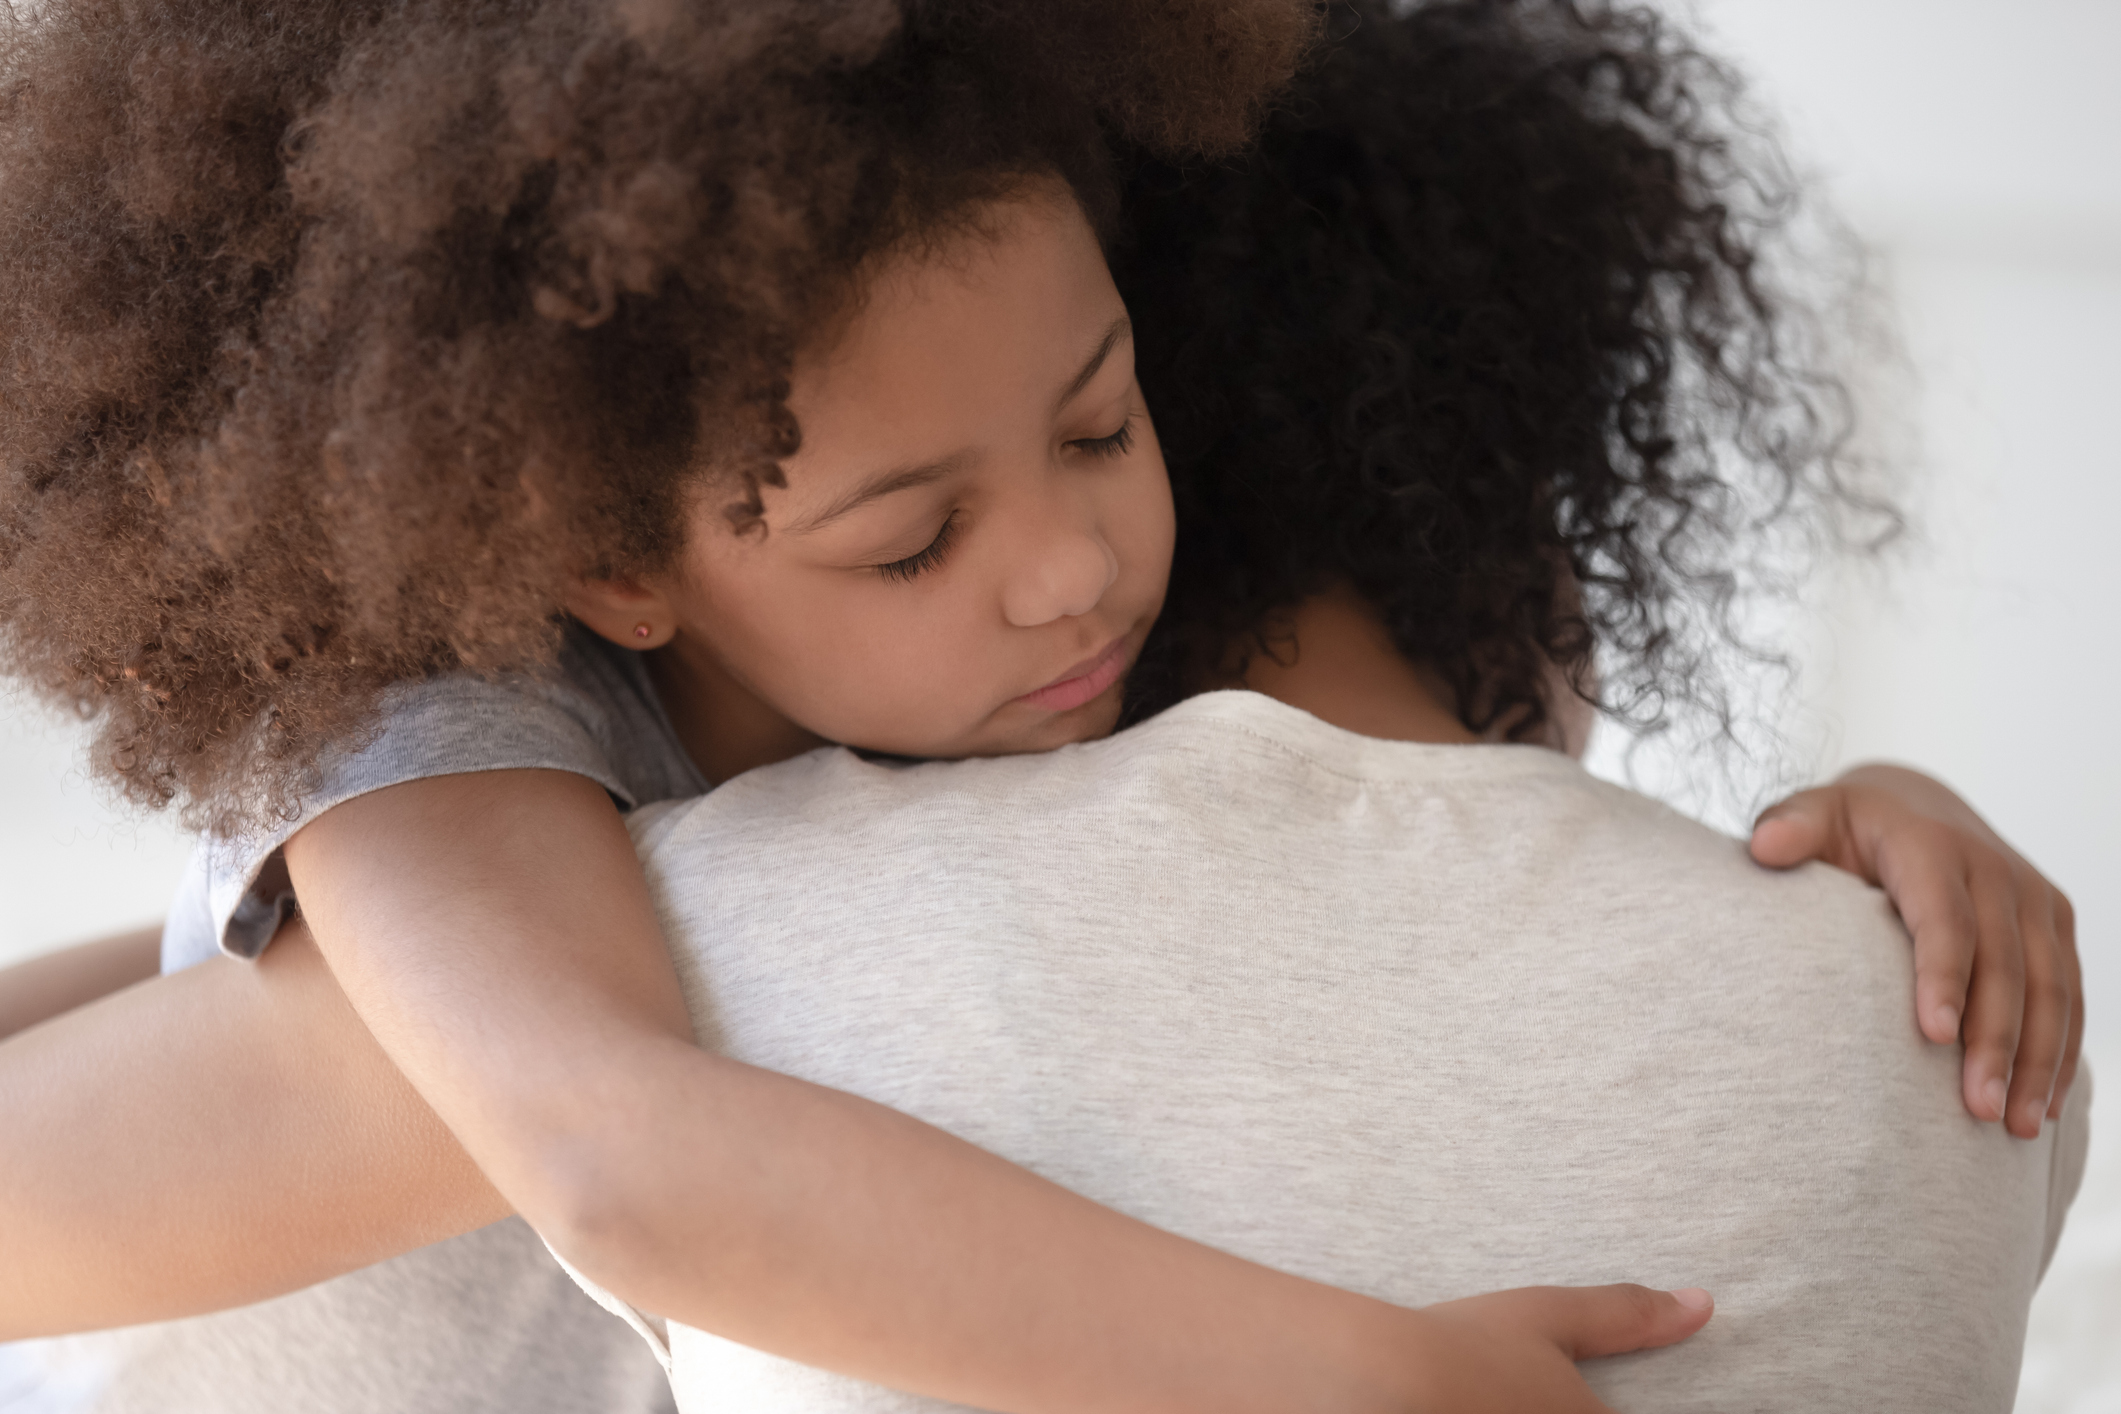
(623,610)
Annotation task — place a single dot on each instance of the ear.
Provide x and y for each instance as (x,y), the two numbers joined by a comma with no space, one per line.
(625,610)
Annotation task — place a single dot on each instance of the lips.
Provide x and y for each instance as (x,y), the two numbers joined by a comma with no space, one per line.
(1083,682)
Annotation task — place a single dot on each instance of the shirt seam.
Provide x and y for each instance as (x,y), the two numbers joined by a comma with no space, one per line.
(1299,753)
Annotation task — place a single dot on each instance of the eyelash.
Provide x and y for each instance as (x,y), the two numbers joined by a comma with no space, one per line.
(914,566)
(1117,445)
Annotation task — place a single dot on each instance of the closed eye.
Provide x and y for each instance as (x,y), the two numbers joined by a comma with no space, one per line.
(1117,445)
(916,565)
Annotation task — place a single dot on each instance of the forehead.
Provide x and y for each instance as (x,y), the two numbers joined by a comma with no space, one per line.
(954,344)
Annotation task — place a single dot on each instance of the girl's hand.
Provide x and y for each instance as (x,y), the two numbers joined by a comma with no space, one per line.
(1510,1351)
(1995,942)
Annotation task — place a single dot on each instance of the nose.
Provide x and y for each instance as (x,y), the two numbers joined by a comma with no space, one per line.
(1065,570)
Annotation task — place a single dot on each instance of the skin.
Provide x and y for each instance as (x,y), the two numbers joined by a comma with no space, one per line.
(134,1127)
(1995,943)
(58,982)
(514,896)
(934,558)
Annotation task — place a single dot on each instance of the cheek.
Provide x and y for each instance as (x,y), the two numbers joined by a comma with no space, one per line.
(763,626)
(883,666)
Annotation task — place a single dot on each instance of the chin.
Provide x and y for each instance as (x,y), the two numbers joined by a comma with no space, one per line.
(1094,719)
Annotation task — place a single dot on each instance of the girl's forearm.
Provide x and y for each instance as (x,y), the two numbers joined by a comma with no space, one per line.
(207,1140)
(817,1225)
(511,965)
(56,983)
(233,1132)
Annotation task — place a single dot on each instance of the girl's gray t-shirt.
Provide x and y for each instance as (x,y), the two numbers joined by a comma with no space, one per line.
(596,715)
(486,1323)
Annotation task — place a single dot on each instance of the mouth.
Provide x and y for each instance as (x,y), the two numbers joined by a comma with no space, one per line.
(1084,682)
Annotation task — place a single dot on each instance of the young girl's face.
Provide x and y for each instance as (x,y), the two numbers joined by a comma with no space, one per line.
(976,533)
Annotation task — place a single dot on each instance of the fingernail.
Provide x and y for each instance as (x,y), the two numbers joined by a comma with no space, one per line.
(1947,1019)
(1693,1298)
(1994,1093)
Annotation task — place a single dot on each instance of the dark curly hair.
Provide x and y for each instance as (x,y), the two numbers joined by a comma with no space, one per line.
(335,335)
(1482,328)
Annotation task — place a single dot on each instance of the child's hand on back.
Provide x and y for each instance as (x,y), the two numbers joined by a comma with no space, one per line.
(1506,1352)
(1995,942)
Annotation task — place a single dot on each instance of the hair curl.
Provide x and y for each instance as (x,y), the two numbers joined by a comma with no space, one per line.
(1482,327)
(334,336)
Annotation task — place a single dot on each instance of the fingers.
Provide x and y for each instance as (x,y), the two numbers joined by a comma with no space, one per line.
(1589,1321)
(2066,935)
(1990,946)
(1929,887)
(1995,944)
(1995,1007)
(2044,1032)
(1806,826)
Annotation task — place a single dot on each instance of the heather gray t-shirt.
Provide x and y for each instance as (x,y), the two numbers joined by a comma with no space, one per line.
(1421,1021)
(596,716)
(486,1323)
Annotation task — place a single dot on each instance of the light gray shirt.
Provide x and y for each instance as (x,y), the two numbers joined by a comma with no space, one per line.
(1420,1021)
(486,1323)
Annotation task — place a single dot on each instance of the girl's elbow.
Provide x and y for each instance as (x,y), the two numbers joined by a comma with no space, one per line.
(590,1209)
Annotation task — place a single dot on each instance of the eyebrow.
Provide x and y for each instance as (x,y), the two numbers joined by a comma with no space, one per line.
(1121,328)
(906,478)
(887,483)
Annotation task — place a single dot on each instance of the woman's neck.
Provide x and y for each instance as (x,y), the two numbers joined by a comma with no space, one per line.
(1334,658)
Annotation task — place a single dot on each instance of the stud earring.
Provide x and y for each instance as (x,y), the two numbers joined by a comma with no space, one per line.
(642,631)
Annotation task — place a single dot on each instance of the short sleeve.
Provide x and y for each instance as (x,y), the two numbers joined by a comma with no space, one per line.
(445,726)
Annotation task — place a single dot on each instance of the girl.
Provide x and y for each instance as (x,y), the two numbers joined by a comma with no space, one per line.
(747,676)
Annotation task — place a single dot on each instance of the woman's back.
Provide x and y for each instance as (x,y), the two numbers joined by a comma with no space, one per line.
(1417,1020)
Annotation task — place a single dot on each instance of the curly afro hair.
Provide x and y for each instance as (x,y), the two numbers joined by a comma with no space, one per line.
(335,336)
(1482,328)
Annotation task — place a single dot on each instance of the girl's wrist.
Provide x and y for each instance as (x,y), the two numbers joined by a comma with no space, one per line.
(1363,1356)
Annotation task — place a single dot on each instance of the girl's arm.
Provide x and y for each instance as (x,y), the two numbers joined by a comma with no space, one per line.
(495,933)
(47,986)
(233,1131)
(210,1139)
(1995,942)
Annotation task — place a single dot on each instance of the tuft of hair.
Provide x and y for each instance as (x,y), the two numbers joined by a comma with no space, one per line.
(335,337)
(1487,326)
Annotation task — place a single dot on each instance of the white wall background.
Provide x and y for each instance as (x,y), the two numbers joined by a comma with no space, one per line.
(72,863)
(1977,148)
